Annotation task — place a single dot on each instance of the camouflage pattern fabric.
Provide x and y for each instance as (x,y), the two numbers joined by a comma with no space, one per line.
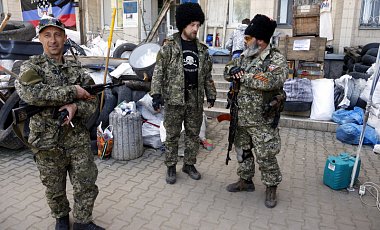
(44,82)
(264,77)
(266,144)
(192,118)
(168,75)
(79,163)
(169,81)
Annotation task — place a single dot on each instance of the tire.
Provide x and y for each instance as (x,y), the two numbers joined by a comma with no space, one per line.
(18,30)
(368,59)
(8,138)
(123,93)
(357,75)
(372,52)
(16,70)
(108,106)
(368,47)
(124,50)
(359,67)
(350,64)
(137,95)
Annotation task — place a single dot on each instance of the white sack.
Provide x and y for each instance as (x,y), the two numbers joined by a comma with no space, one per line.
(323,99)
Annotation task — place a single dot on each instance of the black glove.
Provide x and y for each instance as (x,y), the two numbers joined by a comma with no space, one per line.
(211,101)
(157,101)
(234,70)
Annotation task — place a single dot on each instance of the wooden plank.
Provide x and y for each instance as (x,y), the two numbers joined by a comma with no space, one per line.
(92,60)
(315,53)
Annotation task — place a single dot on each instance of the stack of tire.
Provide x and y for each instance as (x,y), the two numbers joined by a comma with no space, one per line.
(357,67)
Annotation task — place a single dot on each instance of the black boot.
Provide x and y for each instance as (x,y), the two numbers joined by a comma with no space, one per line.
(62,223)
(270,197)
(171,175)
(192,171)
(89,226)
(241,185)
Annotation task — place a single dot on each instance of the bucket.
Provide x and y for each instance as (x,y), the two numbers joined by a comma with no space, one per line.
(143,60)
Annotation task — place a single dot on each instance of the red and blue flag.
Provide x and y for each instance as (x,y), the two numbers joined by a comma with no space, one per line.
(33,10)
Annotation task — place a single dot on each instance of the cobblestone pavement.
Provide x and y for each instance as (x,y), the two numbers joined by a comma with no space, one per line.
(134,194)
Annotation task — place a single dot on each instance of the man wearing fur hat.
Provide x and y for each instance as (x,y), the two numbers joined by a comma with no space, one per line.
(261,72)
(181,77)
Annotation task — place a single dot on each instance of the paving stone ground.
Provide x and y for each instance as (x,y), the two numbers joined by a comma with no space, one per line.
(134,194)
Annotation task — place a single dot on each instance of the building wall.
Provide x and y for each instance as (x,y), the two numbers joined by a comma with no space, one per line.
(13,7)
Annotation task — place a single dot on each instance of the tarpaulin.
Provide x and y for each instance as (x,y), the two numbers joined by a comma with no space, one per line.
(33,10)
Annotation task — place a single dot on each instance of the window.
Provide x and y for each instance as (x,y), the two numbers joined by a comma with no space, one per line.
(238,10)
(370,13)
(108,6)
(285,11)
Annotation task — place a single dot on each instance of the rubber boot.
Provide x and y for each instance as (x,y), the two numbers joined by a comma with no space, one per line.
(270,197)
(89,226)
(171,175)
(192,171)
(62,223)
(241,185)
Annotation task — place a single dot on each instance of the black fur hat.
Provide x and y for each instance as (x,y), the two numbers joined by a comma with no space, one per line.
(187,13)
(261,27)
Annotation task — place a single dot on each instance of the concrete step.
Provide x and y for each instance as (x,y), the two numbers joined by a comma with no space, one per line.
(218,77)
(286,121)
(221,94)
(219,103)
(222,85)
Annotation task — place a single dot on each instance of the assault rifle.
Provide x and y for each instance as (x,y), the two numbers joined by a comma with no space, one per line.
(25,112)
(232,117)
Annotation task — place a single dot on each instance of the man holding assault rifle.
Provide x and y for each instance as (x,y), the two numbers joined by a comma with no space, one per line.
(50,81)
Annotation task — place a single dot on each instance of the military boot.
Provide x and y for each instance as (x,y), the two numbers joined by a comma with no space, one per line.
(89,226)
(171,175)
(241,185)
(270,197)
(192,171)
(62,223)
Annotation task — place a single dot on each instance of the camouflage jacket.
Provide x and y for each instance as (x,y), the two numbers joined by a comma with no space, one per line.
(264,77)
(168,76)
(43,82)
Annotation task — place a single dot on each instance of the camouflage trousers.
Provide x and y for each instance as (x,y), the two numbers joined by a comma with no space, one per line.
(266,144)
(79,164)
(191,116)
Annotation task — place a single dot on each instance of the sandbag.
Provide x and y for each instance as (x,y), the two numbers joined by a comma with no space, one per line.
(298,90)
(323,99)
(350,133)
(343,116)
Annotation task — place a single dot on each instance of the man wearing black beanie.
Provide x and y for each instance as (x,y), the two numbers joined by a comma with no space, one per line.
(260,72)
(181,77)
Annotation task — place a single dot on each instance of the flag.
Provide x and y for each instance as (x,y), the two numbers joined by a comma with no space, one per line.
(33,10)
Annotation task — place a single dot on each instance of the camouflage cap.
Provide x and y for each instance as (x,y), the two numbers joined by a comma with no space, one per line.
(49,21)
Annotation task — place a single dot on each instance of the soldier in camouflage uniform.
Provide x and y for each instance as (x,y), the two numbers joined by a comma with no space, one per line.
(261,71)
(51,81)
(182,74)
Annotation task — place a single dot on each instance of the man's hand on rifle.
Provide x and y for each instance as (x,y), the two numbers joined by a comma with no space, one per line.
(210,102)
(236,72)
(157,102)
(82,93)
(72,109)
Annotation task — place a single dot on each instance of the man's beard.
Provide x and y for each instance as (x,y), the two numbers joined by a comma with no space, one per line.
(252,50)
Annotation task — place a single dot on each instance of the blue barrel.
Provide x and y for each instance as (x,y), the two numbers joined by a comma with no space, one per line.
(338,170)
